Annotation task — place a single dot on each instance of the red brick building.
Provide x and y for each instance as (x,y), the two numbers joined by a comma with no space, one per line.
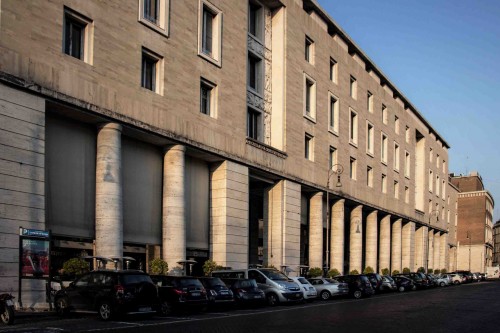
(475,223)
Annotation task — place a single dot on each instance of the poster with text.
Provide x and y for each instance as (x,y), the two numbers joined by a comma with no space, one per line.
(34,258)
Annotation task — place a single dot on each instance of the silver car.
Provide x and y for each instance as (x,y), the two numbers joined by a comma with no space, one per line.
(388,284)
(327,288)
(308,289)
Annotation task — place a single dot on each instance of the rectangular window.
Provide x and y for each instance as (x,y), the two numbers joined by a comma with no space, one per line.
(254,124)
(333,114)
(396,156)
(407,164)
(438,186)
(431,155)
(210,32)
(437,161)
(431,180)
(77,35)
(369,102)
(207,98)
(443,189)
(384,114)
(352,168)
(444,166)
(309,50)
(369,176)
(370,133)
(384,183)
(332,160)
(333,71)
(353,87)
(151,10)
(396,124)
(407,194)
(383,148)
(150,71)
(408,135)
(353,128)
(309,97)
(155,14)
(255,74)
(255,20)
(396,189)
(308,147)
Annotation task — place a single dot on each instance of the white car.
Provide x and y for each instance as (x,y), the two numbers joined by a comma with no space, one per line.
(327,288)
(442,280)
(457,278)
(309,292)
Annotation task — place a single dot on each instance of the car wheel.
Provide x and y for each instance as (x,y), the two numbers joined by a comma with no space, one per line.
(105,310)
(166,308)
(401,289)
(7,315)
(442,284)
(358,294)
(414,287)
(456,282)
(62,306)
(272,300)
(325,295)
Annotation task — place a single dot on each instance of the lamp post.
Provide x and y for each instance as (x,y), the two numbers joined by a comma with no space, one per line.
(469,237)
(428,243)
(335,169)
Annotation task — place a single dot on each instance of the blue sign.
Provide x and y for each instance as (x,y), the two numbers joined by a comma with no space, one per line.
(34,233)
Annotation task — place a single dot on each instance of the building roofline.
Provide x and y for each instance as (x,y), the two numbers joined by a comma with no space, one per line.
(334,28)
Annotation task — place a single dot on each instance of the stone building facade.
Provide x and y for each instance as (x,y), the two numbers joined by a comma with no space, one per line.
(496,244)
(475,223)
(154,128)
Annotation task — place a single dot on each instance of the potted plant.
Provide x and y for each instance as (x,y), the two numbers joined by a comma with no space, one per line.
(385,271)
(333,273)
(315,272)
(406,270)
(158,266)
(368,270)
(209,266)
(354,272)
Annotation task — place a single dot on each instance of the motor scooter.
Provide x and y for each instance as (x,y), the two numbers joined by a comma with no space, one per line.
(7,309)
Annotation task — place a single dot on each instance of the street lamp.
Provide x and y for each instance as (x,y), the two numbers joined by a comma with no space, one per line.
(335,169)
(428,245)
(469,237)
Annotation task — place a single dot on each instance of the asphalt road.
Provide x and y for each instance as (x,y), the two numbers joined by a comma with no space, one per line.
(466,308)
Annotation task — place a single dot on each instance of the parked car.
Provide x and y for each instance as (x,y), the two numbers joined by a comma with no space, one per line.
(482,276)
(246,292)
(109,292)
(466,274)
(388,284)
(442,280)
(375,280)
(180,293)
(420,279)
(327,288)
(277,286)
(308,290)
(433,282)
(217,291)
(404,283)
(457,278)
(359,285)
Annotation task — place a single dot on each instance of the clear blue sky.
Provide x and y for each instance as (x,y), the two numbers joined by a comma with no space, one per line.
(444,56)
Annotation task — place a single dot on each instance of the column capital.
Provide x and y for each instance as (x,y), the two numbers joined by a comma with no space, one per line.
(110,126)
(180,148)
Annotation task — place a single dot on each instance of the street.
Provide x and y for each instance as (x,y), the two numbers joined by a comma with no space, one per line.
(466,308)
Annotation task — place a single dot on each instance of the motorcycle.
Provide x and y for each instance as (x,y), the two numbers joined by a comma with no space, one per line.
(7,309)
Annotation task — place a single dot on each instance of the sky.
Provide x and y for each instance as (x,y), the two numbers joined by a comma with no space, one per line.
(444,56)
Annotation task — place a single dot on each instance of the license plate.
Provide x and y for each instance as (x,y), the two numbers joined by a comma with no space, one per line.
(257,296)
(195,294)
(145,309)
(223,293)
(9,302)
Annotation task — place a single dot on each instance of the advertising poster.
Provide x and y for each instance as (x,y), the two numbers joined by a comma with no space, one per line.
(34,258)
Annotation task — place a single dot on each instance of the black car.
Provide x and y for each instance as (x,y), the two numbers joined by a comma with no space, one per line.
(420,279)
(246,292)
(359,285)
(217,291)
(180,293)
(375,280)
(404,283)
(109,292)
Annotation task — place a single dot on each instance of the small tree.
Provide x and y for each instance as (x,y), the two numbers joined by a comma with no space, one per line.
(394,272)
(406,270)
(385,271)
(75,267)
(436,271)
(333,273)
(368,270)
(158,266)
(209,266)
(421,269)
(354,272)
(443,271)
(429,270)
(315,272)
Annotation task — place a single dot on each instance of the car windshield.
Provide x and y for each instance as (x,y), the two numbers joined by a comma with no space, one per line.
(274,275)
(247,284)
(189,283)
(388,279)
(302,280)
(331,281)
(215,282)
(135,278)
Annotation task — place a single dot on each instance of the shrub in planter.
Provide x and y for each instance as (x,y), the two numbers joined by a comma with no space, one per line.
(421,270)
(354,272)
(158,266)
(436,271)
(406,270)
(315,272)
(209,266)
(394,272)
(368,270)
(385,271)
(75,267)
(333,273)
(443,271)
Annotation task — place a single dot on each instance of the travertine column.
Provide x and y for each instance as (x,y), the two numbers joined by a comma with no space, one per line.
(437,251)
(109,204)
(282,238)
(396,246)
(316,231)
(356,239)
(174,217)
(371,241)
(229,215)
(337,236)
(385,243)
(420,249)
(408,245)
(445,259)
(430,250)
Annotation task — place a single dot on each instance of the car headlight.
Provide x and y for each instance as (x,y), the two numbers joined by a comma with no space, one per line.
(213,292)
(281,287)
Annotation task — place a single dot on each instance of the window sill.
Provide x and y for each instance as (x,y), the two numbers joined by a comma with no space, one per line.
(369,153)
(354,144)
(209,58)
(310,118)
(154,27)
(334,132)
(384,162)
(268,149)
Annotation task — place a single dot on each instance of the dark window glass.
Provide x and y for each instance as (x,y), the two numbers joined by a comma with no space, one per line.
(333,101)
(205,93)
(151,10)
(253,119)
(254,72)
(148,72)
(73,37)
(308,50)
(207,33)
(254,20)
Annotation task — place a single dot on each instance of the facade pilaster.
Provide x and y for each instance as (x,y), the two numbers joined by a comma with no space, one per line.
(430,251)
(385,243)
(420,248)
(396,246)
(408,245)
(437,251)
(356,239)
(109,198)
(371,241)
(337,236)
(316,230)
(444,259)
